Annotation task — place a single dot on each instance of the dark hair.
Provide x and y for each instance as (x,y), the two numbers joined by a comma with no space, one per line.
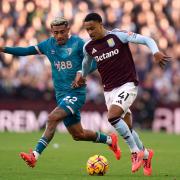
(93,17)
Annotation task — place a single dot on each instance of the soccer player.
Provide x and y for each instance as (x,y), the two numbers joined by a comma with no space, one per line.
(116,66)
(65,54)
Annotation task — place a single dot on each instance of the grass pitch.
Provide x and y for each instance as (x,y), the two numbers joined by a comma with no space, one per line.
(68,160)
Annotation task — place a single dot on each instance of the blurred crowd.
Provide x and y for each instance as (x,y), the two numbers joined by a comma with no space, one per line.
(26,22)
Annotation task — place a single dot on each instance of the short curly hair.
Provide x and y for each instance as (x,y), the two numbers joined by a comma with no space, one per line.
(59,21)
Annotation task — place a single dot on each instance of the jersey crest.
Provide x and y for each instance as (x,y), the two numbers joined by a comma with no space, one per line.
(69,50)
(111,42)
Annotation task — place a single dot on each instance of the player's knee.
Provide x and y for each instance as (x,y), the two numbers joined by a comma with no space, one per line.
(78,136)
(114,120)
(115,111)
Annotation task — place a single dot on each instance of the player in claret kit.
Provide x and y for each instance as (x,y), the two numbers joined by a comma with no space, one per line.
(65,54)
(116,66)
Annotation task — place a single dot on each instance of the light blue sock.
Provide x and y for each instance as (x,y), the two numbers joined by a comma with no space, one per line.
(139,143)
(122,128)
(137,140)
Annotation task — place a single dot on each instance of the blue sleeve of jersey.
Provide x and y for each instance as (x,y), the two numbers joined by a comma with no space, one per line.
(126,37)
(42,47)
(21,51)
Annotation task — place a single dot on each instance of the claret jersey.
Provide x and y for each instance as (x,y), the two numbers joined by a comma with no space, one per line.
(113,56)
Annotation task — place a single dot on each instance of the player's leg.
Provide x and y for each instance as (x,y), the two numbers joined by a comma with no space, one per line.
(57,115)
(75,128)
(118,104)
(148,154)
(114,117)
(128,119)
(122,128)
(66,106)
(80,134)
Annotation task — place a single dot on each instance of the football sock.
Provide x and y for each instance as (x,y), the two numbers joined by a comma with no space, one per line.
(137,140)
(36,154)
(109,140)
(122,128)
(41,145)
(102,138)
(139,143)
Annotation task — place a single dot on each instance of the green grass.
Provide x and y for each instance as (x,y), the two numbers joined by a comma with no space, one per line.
(68,162)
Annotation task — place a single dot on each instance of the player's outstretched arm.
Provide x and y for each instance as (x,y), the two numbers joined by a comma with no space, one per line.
(160,58)
(19,51)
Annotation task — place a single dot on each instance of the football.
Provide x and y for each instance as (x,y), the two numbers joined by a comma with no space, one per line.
(97,165)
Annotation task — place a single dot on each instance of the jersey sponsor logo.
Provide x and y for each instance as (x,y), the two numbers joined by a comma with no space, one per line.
(107,55)
(57,65)
(111,42)
(62,65)
(94,50)
(69,50)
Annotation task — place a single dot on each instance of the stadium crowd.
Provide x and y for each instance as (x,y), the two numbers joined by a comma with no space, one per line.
(26,22)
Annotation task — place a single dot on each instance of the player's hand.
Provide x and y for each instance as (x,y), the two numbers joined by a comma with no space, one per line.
(161,59)
(78,81)
(1,49)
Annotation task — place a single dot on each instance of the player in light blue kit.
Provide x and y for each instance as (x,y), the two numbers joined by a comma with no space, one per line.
(65,54)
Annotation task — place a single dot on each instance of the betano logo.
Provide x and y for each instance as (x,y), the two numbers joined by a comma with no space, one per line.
(107,55)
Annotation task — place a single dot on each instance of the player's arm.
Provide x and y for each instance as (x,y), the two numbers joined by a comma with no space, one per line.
(40,48)
(19,51)
(88,66)
(92,69)
(82,53)
(126,37)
